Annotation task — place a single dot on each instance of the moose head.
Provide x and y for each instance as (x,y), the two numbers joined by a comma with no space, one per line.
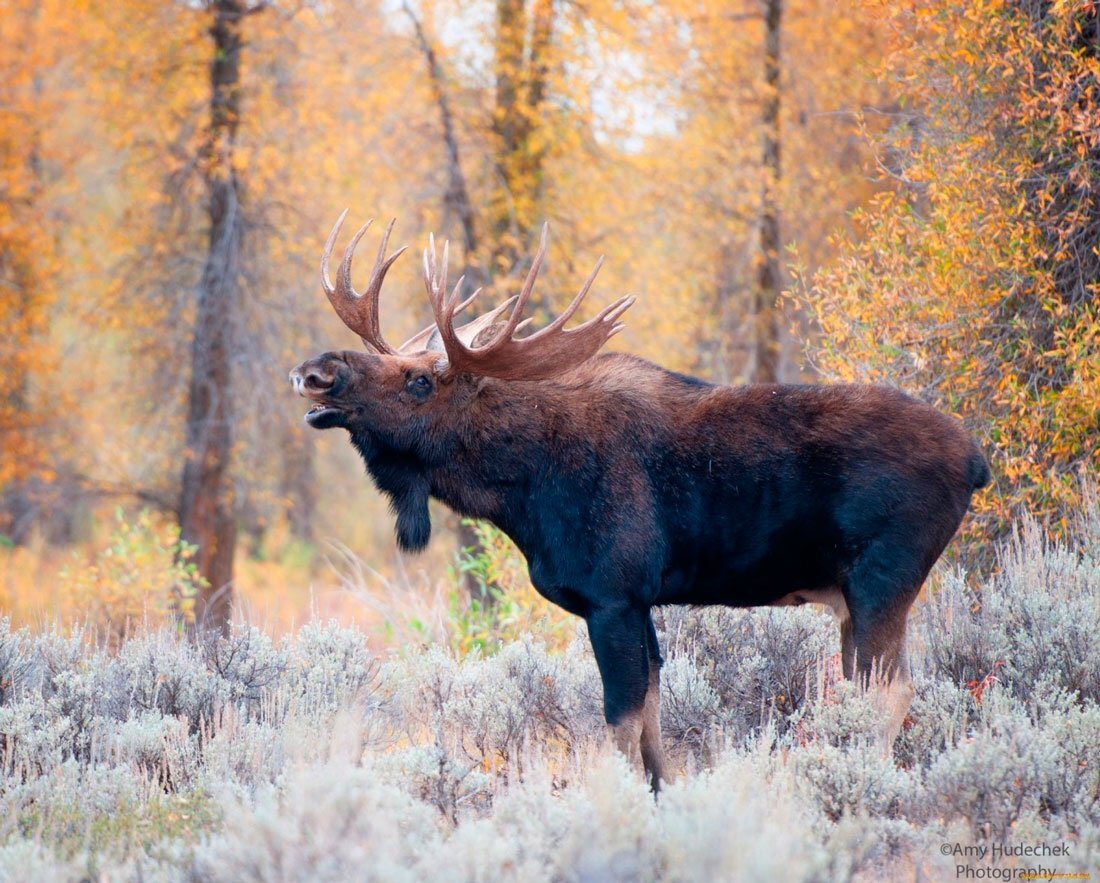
(397,396)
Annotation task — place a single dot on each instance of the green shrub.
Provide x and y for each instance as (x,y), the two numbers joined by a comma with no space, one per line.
(504,606)
(143,578)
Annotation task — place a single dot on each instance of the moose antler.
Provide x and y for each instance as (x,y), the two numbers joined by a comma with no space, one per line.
(546,353)
(359,311)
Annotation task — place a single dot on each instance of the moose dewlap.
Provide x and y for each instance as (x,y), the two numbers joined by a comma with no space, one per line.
(627,486)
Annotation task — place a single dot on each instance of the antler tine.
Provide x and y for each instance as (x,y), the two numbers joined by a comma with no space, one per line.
(542,355)
(363,308)
(343,277)
(358,311)
(435,282)
(576,302)
(326,283)
(607,316)
(455,304)
(525,293)
(381,267)
(374,286)
(469,300)
(442,306)
(446,267)
(466,332)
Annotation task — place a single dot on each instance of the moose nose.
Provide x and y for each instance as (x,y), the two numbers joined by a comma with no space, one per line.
(315,380)
(311,378)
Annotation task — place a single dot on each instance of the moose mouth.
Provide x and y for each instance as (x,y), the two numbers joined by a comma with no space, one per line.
(323,415)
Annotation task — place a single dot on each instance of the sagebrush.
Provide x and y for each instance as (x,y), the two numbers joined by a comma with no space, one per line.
(309,758)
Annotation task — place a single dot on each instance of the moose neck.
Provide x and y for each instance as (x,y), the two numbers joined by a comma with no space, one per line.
(485,465)
(497,451)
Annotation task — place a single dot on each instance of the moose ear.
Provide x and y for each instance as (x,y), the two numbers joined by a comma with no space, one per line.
(490,333)
(434,343)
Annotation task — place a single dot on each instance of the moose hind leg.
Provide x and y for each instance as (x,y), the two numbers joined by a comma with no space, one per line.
(898,697)
(620,644)
(887,676)
(880,592)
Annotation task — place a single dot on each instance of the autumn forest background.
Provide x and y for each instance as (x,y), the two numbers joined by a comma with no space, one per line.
(794,189)
(902,192)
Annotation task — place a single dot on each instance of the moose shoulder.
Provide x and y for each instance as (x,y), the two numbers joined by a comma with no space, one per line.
(628,486)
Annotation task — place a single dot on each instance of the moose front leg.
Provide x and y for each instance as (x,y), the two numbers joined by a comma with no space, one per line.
(653,752)
(621,643)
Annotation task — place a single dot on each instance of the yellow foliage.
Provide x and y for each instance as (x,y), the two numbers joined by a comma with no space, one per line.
(975,284)
(28,49)
(144,576)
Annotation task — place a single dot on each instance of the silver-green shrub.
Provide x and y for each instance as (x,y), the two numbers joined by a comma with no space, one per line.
(309,758)
(762,665)
(1032,625)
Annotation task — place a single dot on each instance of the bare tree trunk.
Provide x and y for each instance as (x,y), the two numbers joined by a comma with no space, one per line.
(18,512)
(457,205)
(508,64)
(522,72)
(27,500)
(723,361)
(297,484)
(769,281)
(207,500)
(538,74)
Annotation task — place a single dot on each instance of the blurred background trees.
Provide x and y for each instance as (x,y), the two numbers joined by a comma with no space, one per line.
(919,176)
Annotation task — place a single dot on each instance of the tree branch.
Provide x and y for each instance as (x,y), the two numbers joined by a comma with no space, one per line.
(457,197)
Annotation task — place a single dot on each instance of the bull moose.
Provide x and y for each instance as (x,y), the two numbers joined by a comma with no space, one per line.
(628,486)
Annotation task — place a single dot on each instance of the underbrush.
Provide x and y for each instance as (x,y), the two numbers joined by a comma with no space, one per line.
(310,758)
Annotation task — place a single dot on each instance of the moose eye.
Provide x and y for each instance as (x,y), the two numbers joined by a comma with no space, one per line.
(419,386)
